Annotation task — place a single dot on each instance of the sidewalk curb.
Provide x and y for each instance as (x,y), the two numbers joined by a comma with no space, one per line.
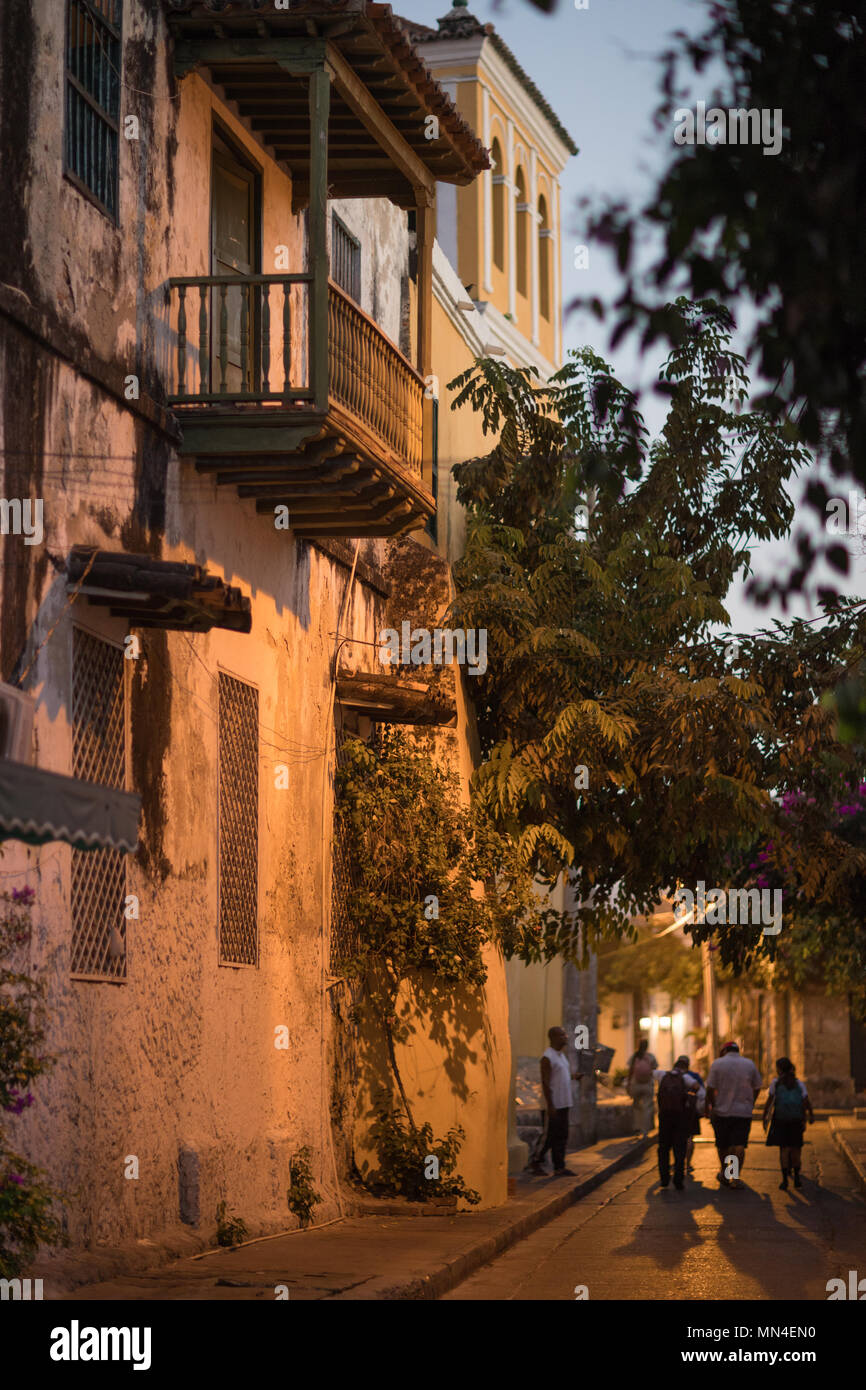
(838,1133)
(453,1272)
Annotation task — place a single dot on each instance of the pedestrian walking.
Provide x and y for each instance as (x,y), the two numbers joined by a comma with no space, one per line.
(639,1085)
(556,1077)
(787,1109)
(733,1083)
(677,1101)
(700,1103)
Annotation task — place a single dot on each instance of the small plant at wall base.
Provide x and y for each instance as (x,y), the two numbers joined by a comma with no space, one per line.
(231,1230)
(404,1154)
(27,1218)
(302,1195)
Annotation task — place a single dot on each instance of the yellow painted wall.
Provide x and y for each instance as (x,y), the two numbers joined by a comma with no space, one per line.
(540,1006)
(470,208)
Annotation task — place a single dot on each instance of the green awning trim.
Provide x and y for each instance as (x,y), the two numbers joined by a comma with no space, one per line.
(38,806)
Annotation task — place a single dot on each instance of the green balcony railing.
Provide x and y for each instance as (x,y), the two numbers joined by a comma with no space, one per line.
(238,339)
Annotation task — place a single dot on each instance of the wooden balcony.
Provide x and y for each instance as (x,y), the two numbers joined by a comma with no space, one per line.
(283,386)
(335,436)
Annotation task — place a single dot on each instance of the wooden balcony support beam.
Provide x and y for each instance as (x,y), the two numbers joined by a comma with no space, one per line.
(343,519)
(320,98)
(323,476)
(288,475)
(293,55)
(345,497)
(373,118)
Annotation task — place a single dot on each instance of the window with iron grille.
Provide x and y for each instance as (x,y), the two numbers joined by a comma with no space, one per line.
(98,755)
(345,259)
(93,58)
(238,821)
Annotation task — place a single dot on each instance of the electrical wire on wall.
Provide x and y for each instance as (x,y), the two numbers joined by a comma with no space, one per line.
(329,744)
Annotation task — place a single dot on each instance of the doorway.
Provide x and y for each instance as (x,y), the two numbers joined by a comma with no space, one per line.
(235,242)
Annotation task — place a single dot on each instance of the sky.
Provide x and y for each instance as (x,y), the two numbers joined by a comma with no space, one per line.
(599,70)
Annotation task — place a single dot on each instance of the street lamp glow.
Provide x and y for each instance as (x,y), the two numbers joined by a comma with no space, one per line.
(665,1022)
(645,1024)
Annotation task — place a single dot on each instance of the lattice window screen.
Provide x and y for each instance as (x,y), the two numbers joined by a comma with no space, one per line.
(238,821)
(98,755)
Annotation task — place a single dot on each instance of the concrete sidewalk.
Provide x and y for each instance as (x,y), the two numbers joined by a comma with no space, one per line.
(373,1257)
(849,1136)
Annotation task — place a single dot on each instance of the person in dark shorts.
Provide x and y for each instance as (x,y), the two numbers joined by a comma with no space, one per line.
(789,1106)
(677,1101)
(733,1083)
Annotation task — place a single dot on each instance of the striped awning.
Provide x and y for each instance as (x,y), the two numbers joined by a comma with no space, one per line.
(38,806)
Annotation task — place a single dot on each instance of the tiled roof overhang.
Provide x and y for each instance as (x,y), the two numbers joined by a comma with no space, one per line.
(373,43)
(157,593)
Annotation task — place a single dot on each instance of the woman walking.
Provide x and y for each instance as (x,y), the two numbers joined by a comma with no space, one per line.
(789,1105)
(639,1086)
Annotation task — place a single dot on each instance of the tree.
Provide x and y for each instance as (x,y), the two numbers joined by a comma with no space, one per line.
(655,961)
(780,232)
(620,737)
(817,859)
(27,1218)
(422,922)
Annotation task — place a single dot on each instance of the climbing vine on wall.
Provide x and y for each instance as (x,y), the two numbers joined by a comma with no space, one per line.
(27,1218)
(436,884)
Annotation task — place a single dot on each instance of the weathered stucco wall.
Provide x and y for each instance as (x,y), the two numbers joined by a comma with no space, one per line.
(182,1056)
(177,1065)
(382,231)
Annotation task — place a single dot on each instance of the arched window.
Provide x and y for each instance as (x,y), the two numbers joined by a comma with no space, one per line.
(544,239)
(498,207)
(522,231)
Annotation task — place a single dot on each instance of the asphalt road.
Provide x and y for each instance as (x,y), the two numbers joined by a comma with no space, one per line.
(630,1239)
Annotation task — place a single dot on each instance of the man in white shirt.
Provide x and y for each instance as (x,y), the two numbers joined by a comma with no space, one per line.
(556,1085)
(733,1084)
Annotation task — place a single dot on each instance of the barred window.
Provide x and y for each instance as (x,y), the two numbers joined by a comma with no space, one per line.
(93,58)
(238,821)
(345,259)
(98,755)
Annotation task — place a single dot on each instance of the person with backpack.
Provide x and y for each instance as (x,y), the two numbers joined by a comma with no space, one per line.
(677,1102)
(639,1085)
(788,1106)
